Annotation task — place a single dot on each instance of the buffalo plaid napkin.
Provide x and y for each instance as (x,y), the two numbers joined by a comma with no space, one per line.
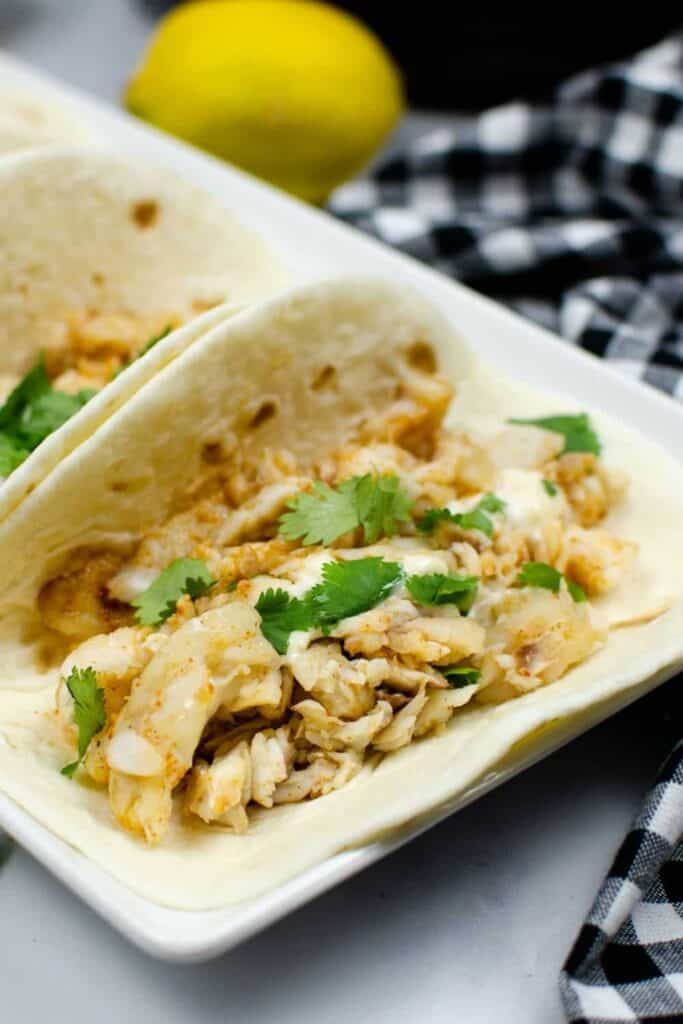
(572,213)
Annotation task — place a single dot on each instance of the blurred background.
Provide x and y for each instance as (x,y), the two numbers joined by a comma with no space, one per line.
(307,98)
(456,58)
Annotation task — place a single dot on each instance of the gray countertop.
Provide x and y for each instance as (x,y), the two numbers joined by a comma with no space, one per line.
(471,922)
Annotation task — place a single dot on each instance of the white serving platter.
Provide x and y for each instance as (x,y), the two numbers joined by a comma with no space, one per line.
(312,246)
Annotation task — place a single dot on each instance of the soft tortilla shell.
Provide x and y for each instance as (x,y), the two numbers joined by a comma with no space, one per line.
(70,242)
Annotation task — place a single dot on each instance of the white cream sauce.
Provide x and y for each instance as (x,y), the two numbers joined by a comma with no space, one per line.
(527,503)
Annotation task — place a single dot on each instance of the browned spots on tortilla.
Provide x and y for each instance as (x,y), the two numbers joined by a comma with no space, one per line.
(212,452)
(145,213)
(98,279)
(265,412)
(421,356)
(324,379)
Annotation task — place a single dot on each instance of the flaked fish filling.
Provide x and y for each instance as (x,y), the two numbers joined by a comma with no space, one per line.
(293,625)
(90,348)
(87,349)
(82,354)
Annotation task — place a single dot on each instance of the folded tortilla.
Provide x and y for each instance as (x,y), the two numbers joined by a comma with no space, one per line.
(320,360)
(28,121)
(83,231)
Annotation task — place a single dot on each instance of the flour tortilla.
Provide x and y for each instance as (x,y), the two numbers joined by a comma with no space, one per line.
(154,443)
(28,121)
(72,240)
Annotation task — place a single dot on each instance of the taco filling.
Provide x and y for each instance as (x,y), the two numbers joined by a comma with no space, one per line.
(86,352)
(288,627)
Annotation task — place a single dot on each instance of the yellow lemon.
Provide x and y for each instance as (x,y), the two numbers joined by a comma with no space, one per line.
(296,92)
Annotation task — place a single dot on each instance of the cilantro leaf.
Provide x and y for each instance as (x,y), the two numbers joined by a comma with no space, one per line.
(578,432)
(491,503)
(381,504)
(352,587)
(432,517)
(538,574)
(34,384)
(475,519)
(437,588)
(323,515)
(12,454)
(33,411)
(282,615)
(47,413)
(549,487)
(377,503)
(460,675)
(89,711)
(154,340)
(576,591)
(183,576)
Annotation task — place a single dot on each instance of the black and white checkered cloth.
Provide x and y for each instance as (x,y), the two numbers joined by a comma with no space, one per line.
(572,212)
(627,964)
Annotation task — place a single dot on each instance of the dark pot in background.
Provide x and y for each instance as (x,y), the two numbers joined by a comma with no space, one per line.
(465,61)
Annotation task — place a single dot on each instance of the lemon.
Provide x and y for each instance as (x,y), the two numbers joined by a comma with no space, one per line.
(296,92)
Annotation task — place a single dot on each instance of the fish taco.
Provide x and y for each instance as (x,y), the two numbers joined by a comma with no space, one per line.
(315,579)
(109,270)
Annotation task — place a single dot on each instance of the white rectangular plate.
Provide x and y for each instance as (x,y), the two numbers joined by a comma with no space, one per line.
(314,245)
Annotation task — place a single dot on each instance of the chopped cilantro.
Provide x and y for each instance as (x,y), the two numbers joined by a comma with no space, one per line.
(46,414)
(323,515)
(549,487)
(377,503)
(352,587)
(434,516)
(461,675)
(539,574)
(32,412)
(154,340)
(491,503)
(381,504)
(89,711)
(348,588)
(34,384)
(578,432)
(12,454)
(436,588)
(282,615)
(183,576)
(577,591)
(475,519)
